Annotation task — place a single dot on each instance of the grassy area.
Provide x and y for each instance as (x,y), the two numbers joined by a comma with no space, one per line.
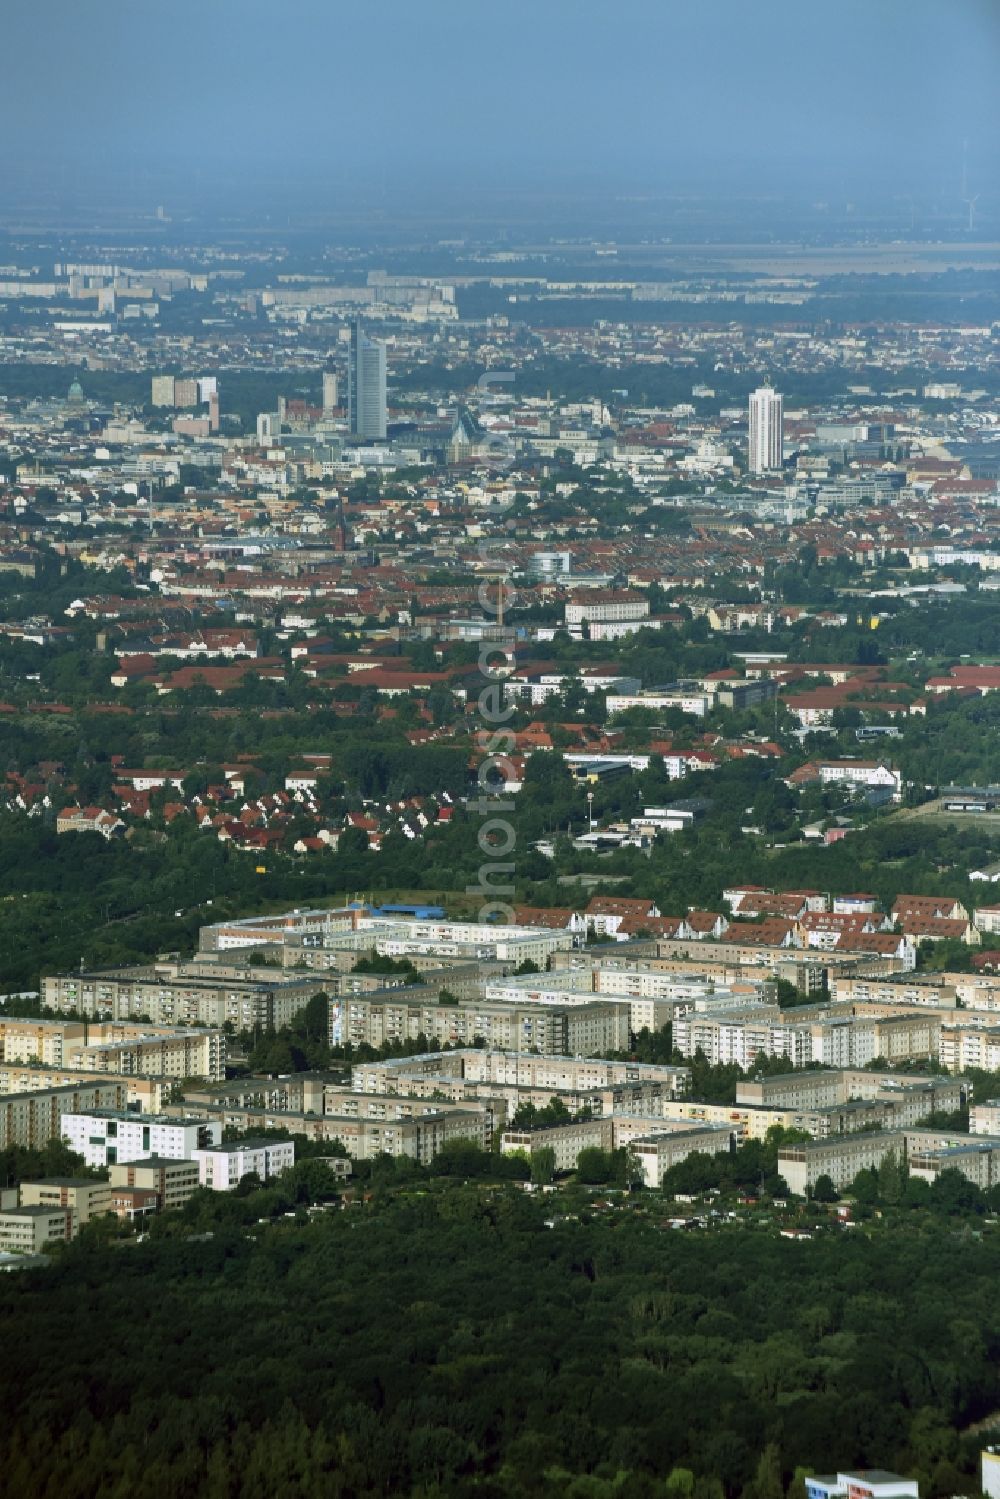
(934,812)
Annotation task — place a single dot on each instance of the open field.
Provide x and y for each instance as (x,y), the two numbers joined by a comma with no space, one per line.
(934,812)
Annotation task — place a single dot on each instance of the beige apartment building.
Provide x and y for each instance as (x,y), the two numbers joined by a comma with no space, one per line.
(984,1118)
(34,1119)
(82,1197)
(195,1053)
(344,1105)
(927,1151)
(820,1090)
(181,994)
(148,1094)
(644,1012)
(34,1040)
(969,1045)
(418,1134)
(298,1093)
(566,1141)
(934,989)
(977,1160)
(840,1159)
(114,1047)
(593,1028)
(656,1153)
(645,1098)
(173,1181)
(33,1230)
(553,1074)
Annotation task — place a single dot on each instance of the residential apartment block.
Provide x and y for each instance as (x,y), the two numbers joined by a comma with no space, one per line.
(831,1038)
(82,1197)
(819,1090)
(107,1137)
(554,1073)
(114,1047)
(400,1015)
(656,1153)
(147,1094)
(169,1181)
(222,1167)
(928,1152)
(36,1118)
(33,1230)
(180,994)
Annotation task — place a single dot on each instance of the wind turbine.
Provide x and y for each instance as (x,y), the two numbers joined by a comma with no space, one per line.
(971,205)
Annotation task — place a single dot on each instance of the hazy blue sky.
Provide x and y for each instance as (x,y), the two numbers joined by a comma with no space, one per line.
(532,91)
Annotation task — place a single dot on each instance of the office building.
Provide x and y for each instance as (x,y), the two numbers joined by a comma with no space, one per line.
(329,392)
(767,442)
(185,392)
(366,387)
(162,393)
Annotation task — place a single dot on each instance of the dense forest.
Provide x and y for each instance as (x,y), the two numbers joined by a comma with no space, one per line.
(507,1350)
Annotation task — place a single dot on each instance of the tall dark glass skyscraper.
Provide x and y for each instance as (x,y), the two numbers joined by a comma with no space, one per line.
(366,400)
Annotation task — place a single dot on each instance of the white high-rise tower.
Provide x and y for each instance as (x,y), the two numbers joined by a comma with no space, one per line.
(767,437)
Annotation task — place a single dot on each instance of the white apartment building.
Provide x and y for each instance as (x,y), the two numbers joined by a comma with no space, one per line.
(834,1040)
(108,1137)
(222,1167)
(695,701)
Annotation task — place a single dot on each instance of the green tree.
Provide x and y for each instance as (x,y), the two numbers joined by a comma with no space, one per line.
(824,1189)
(543,1165)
